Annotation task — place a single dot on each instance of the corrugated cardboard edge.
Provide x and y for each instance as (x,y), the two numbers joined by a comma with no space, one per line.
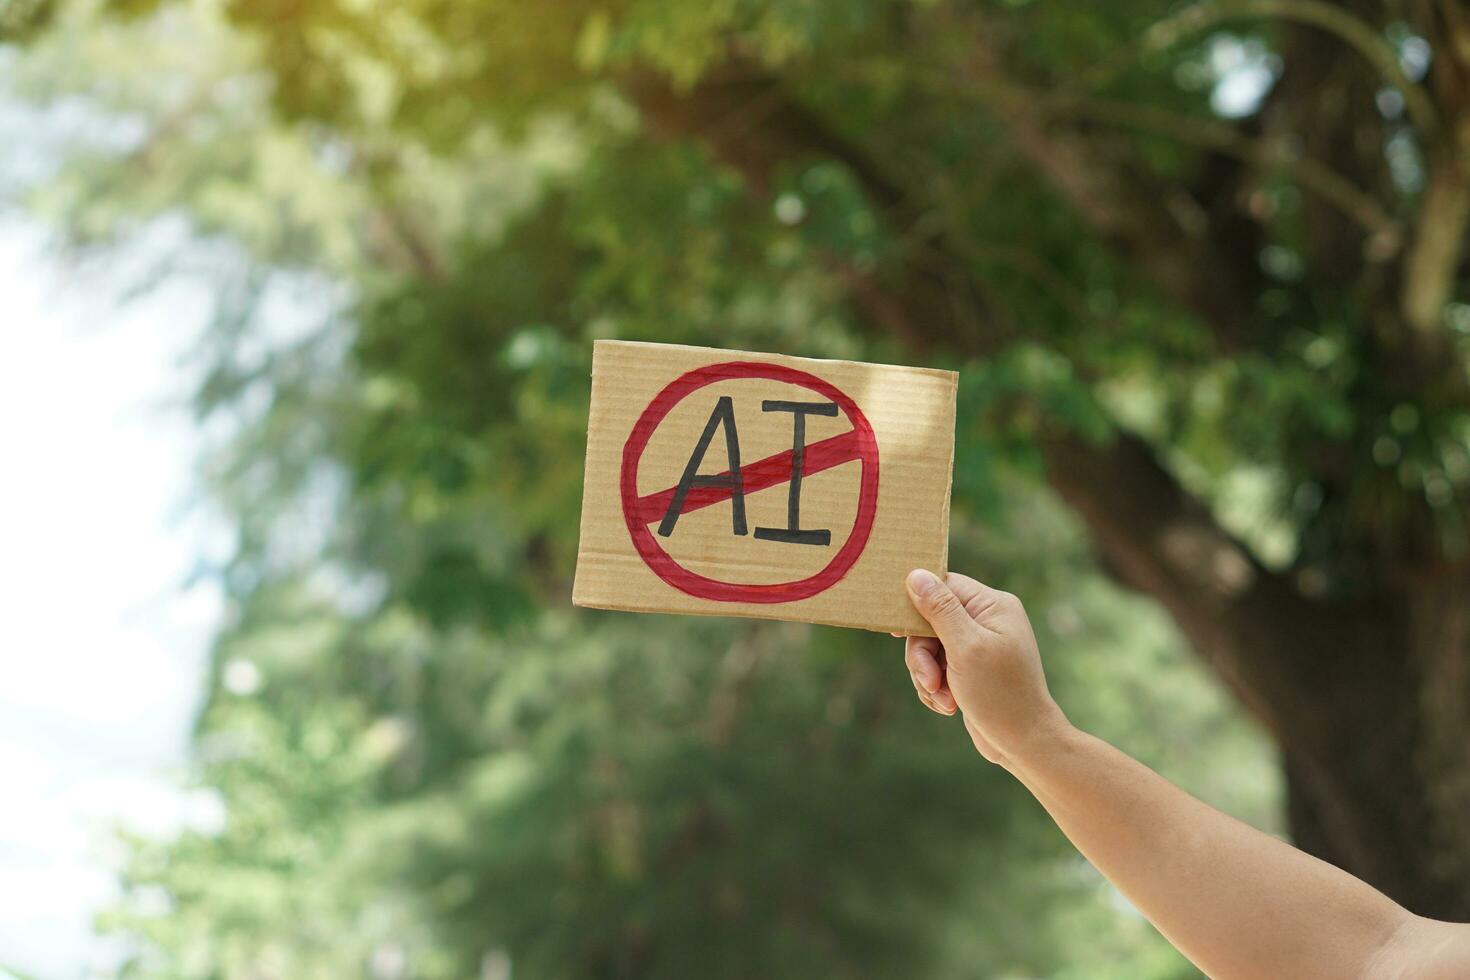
(954,421)
(952,377)
(586,518)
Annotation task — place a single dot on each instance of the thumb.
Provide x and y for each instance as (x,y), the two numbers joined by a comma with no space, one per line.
(942,608)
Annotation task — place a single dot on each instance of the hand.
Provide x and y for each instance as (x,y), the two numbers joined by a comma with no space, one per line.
(984,663)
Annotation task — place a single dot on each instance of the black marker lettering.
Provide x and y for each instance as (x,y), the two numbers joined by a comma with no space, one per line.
(724,412)
(792,533)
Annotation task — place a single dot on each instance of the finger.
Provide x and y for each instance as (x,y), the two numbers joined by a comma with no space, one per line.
(986,605)
(920,656)
(942,608)
(940,699)
(926,662)
(944,701)
(932,703)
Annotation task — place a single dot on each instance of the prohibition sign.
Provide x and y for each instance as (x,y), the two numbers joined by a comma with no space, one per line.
(858,443)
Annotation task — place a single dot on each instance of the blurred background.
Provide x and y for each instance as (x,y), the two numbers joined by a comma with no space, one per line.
(298,299)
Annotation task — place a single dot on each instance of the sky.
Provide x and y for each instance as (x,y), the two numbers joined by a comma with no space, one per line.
(102,639)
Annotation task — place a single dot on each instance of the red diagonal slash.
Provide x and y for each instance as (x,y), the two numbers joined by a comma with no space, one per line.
(759,475)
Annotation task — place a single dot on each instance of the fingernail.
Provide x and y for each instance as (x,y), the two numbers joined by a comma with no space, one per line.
(922,582)
(930,682)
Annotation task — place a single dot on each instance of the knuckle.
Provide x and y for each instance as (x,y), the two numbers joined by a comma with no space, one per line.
(945,604)
(1009,602)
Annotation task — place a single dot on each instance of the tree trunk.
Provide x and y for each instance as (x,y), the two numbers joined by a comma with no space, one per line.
(1369,700)
(1375,752)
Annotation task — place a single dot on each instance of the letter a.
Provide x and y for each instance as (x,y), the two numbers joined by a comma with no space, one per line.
(724,413)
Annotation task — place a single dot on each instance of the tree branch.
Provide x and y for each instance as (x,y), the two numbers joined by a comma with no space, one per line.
(1430,265)
(1153,536)
(1444,210)
(751,124)
(1150,532)
(1342,23)
(1163,234)
(1314,176)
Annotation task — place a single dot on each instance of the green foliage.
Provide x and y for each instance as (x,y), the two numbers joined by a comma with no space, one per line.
(442,763)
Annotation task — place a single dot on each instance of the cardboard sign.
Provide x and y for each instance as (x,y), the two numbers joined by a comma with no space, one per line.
(725,483)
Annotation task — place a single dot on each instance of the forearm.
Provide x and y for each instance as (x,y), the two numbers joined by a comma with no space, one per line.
(1239,903)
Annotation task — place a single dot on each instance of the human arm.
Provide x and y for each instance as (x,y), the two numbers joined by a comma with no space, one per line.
(1237,902)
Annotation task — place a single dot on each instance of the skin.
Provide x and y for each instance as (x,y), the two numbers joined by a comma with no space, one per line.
(1238,903)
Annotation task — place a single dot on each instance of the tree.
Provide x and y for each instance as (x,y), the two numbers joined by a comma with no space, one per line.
(1350,648)
(1228,333)
(1288,287)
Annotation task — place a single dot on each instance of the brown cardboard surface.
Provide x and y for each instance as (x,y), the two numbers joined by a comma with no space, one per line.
(877,452)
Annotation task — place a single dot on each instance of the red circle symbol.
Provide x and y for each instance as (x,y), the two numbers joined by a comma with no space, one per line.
(859,444)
